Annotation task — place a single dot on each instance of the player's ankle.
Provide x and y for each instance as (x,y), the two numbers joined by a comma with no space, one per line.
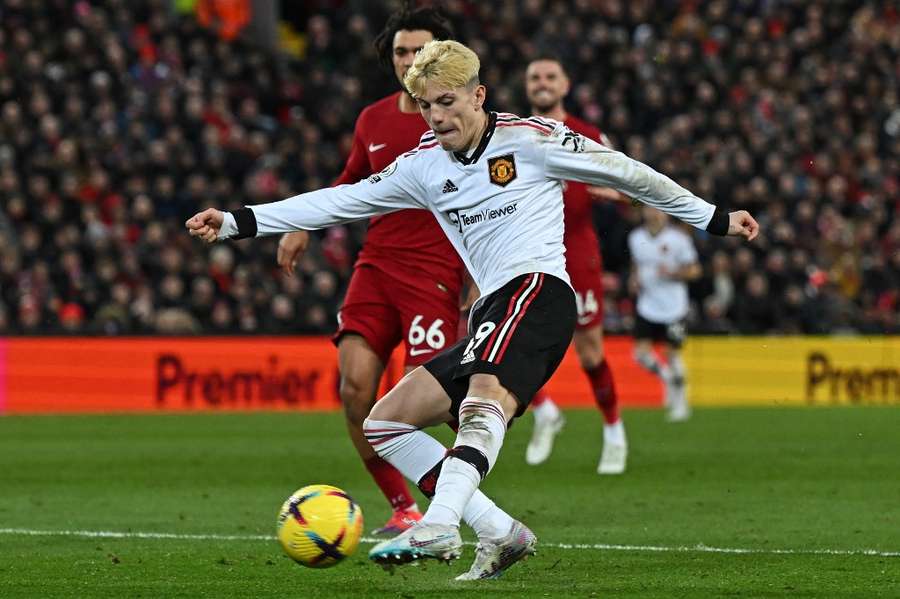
(547,411)
(614,433)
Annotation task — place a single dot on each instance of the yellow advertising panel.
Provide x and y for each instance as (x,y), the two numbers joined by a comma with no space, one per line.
(793,370)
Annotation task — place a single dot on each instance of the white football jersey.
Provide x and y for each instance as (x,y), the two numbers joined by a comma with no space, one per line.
(661,299)
(501,206)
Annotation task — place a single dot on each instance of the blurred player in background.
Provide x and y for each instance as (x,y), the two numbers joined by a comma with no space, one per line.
(546,85)
(407,280)
(664,261)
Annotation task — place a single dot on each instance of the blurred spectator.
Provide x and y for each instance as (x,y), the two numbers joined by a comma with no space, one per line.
(755,308)
(120,119)
(714,320)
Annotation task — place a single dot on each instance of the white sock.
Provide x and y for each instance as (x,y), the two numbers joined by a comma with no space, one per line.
(650,362)
(455,487)
(482,426)
(405,447)
(676,366)
(614,433)
(548,411)
(486,519)
(414,453)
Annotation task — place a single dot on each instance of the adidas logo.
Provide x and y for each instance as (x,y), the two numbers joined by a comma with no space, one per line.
(469,357)
(450,187)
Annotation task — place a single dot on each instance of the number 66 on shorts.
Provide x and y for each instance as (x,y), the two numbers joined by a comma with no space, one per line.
(433,337)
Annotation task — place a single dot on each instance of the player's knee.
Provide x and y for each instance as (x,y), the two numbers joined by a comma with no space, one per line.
(485,385)
(357,397)
(356,413)
(589,347)
(589,357)
(385,410)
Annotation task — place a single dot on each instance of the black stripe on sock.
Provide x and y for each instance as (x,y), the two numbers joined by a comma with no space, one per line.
(472,456)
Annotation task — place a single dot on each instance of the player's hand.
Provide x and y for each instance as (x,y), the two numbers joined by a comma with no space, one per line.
(206,224)
(291,248)
(470,296)
(741,223)
(606,194)
(633,286)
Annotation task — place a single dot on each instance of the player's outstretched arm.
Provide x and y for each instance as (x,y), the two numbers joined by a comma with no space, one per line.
(388,191)
(570,156)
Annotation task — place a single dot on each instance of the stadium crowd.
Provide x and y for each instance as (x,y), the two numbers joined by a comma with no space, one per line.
(120,119)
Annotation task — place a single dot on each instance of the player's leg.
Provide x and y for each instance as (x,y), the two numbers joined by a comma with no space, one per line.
(678,408)
(369,330)
(393,429)
(521,333)
(548,422)
(645,332)
(484,415)
(589,347)
(361,369)
(429,316)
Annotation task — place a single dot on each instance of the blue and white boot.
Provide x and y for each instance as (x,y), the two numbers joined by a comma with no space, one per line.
(421,541)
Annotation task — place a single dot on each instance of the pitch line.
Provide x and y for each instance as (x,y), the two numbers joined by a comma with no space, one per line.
(110,534)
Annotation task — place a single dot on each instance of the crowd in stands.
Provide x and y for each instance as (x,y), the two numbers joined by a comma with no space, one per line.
(119,119)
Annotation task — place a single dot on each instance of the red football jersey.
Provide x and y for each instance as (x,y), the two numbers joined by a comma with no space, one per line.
(407,244)
(582,245)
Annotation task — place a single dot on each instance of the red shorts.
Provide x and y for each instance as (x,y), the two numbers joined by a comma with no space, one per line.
(587,279)
(385,311)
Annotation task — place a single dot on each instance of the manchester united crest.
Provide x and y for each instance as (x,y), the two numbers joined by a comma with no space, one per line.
(502,169)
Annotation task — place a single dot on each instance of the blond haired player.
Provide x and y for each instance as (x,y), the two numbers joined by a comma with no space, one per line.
(503,214)
(406,281)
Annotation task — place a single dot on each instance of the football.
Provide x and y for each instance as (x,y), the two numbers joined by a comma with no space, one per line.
(319,525)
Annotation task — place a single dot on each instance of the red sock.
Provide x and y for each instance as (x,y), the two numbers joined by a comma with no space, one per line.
(391,483)
(604,387)
(539,398)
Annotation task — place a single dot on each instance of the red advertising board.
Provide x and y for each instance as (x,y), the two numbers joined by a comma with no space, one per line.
(71,374)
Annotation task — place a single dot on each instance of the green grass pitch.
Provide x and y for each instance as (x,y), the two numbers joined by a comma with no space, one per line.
(805,491)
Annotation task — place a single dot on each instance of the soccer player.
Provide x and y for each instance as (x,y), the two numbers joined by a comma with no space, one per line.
(664,260)
(546,84)
(493,181)
(407,280)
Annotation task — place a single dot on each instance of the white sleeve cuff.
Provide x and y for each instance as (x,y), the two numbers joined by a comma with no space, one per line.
(229,227)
